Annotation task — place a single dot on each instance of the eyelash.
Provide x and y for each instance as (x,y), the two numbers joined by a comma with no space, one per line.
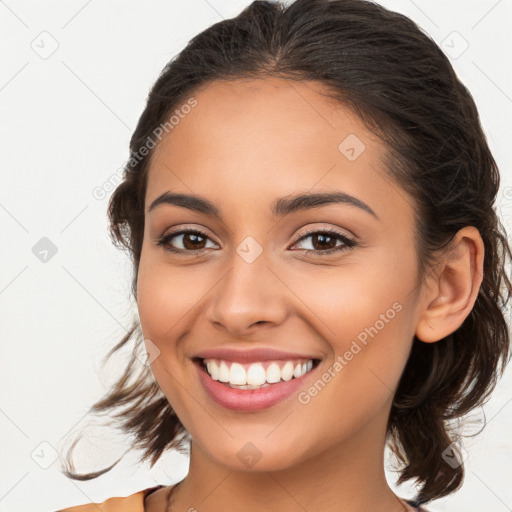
(348,242)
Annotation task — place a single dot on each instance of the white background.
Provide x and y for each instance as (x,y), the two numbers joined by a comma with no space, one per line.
(66,124)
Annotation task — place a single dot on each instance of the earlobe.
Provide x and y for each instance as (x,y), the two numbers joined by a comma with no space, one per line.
(453,287)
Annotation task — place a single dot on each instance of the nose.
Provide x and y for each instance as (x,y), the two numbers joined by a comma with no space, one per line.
(249,293)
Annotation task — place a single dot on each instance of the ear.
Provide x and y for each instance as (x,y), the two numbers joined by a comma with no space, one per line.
(453,287)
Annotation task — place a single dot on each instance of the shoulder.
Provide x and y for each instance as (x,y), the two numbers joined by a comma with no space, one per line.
(132,503)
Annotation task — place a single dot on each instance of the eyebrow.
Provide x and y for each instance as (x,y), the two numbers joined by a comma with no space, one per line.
(281,207)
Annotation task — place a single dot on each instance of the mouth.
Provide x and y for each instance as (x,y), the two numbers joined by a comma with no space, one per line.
(256,375)
(253,386)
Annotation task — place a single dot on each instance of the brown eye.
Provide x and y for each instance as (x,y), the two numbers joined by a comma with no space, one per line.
(191,240)
(324,242)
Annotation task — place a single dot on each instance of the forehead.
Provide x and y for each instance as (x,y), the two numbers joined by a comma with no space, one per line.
(253,140)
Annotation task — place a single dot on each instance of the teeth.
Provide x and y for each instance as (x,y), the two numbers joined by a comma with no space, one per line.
(256,375)
(223,372)
(273,373)
(248,386)
(237,374)
(287,371)
(213,370)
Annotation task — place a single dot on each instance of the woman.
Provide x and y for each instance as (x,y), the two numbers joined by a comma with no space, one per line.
(318,264)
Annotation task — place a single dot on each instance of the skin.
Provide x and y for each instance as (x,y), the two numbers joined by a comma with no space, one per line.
(244,145)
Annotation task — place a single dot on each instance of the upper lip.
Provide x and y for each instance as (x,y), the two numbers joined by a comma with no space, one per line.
(252,355)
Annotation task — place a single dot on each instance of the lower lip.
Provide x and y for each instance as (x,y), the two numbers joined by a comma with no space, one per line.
(249,399)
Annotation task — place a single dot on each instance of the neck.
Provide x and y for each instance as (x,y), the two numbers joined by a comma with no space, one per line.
(348,477)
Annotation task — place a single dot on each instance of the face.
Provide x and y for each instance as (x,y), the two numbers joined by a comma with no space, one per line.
(336,282)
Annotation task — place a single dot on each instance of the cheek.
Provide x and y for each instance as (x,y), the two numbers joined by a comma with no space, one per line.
(366,325)
(365,313)
(356,300)
(165,296)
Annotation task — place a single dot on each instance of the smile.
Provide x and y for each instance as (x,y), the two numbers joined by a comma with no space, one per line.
(256,375)
(255,386)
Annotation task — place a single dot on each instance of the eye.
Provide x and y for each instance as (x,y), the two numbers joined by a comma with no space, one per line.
(192,241)
(324,240)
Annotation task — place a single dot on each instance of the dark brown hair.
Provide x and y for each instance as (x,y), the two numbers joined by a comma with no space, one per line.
(394,76)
